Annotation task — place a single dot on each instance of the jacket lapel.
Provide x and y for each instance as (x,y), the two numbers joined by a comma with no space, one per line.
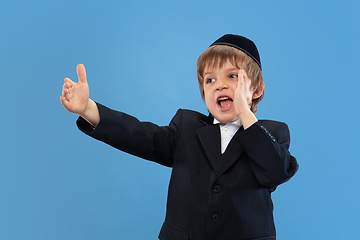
(232,154)
(210,139)
(209,136)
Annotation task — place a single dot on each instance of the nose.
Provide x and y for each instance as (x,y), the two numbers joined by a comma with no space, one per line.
(221,84)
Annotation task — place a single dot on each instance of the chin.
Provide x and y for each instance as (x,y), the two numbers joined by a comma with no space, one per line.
(225,119)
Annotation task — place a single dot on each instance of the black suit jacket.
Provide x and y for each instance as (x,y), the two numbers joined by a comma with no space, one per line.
(211,196)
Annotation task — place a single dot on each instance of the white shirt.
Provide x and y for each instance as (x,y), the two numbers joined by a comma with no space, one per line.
(227,131)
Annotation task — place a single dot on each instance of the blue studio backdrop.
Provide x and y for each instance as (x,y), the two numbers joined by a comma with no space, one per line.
(56,183)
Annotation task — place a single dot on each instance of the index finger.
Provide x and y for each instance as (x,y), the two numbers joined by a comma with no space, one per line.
(244,74)
(80,68)
(241,77)
(247,80)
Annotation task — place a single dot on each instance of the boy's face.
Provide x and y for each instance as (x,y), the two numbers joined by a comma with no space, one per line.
(219,91)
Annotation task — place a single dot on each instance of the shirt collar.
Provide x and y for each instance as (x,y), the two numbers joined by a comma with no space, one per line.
(237,122)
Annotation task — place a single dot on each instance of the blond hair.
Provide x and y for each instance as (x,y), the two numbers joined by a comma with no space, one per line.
(218,55)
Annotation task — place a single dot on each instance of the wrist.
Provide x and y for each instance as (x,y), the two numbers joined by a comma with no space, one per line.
(247,118)
(89,107)
(91,113)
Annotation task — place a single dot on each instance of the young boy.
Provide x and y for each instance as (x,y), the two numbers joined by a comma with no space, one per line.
(224,166)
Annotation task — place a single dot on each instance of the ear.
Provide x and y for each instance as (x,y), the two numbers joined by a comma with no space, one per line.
(257,93)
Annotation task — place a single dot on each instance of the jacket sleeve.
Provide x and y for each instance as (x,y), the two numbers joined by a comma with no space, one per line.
(128,134)
(267,148)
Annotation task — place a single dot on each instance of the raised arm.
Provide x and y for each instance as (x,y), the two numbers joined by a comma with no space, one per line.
(75,98)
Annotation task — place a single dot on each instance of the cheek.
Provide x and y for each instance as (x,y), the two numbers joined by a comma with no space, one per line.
(205,93)
(208,100)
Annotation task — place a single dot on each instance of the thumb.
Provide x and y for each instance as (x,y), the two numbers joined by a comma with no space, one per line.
(80,68)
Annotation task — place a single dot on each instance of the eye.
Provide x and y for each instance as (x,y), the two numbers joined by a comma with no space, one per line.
(210,80)
(233,76)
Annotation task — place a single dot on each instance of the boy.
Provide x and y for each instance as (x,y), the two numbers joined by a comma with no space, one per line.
(224,166)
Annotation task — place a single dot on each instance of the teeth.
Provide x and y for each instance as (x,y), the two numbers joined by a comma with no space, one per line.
(223,98)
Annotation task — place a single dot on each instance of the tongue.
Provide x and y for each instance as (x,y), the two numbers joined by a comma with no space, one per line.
(225,103)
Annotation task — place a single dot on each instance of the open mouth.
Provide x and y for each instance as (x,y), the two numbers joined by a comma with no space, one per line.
(224,102)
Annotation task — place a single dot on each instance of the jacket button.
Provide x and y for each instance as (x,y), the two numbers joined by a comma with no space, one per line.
(215,217)
(217,188)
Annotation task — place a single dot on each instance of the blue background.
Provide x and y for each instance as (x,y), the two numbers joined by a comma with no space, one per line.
(140,56)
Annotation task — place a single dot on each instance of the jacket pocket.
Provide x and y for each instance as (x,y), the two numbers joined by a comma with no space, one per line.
(171,232)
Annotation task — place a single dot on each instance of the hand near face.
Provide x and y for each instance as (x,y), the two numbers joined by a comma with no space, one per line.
(243,99)
(243,93)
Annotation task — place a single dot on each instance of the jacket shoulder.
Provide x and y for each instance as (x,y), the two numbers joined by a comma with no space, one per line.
(191,115)
(271,122)
(273,125)
(279,130)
